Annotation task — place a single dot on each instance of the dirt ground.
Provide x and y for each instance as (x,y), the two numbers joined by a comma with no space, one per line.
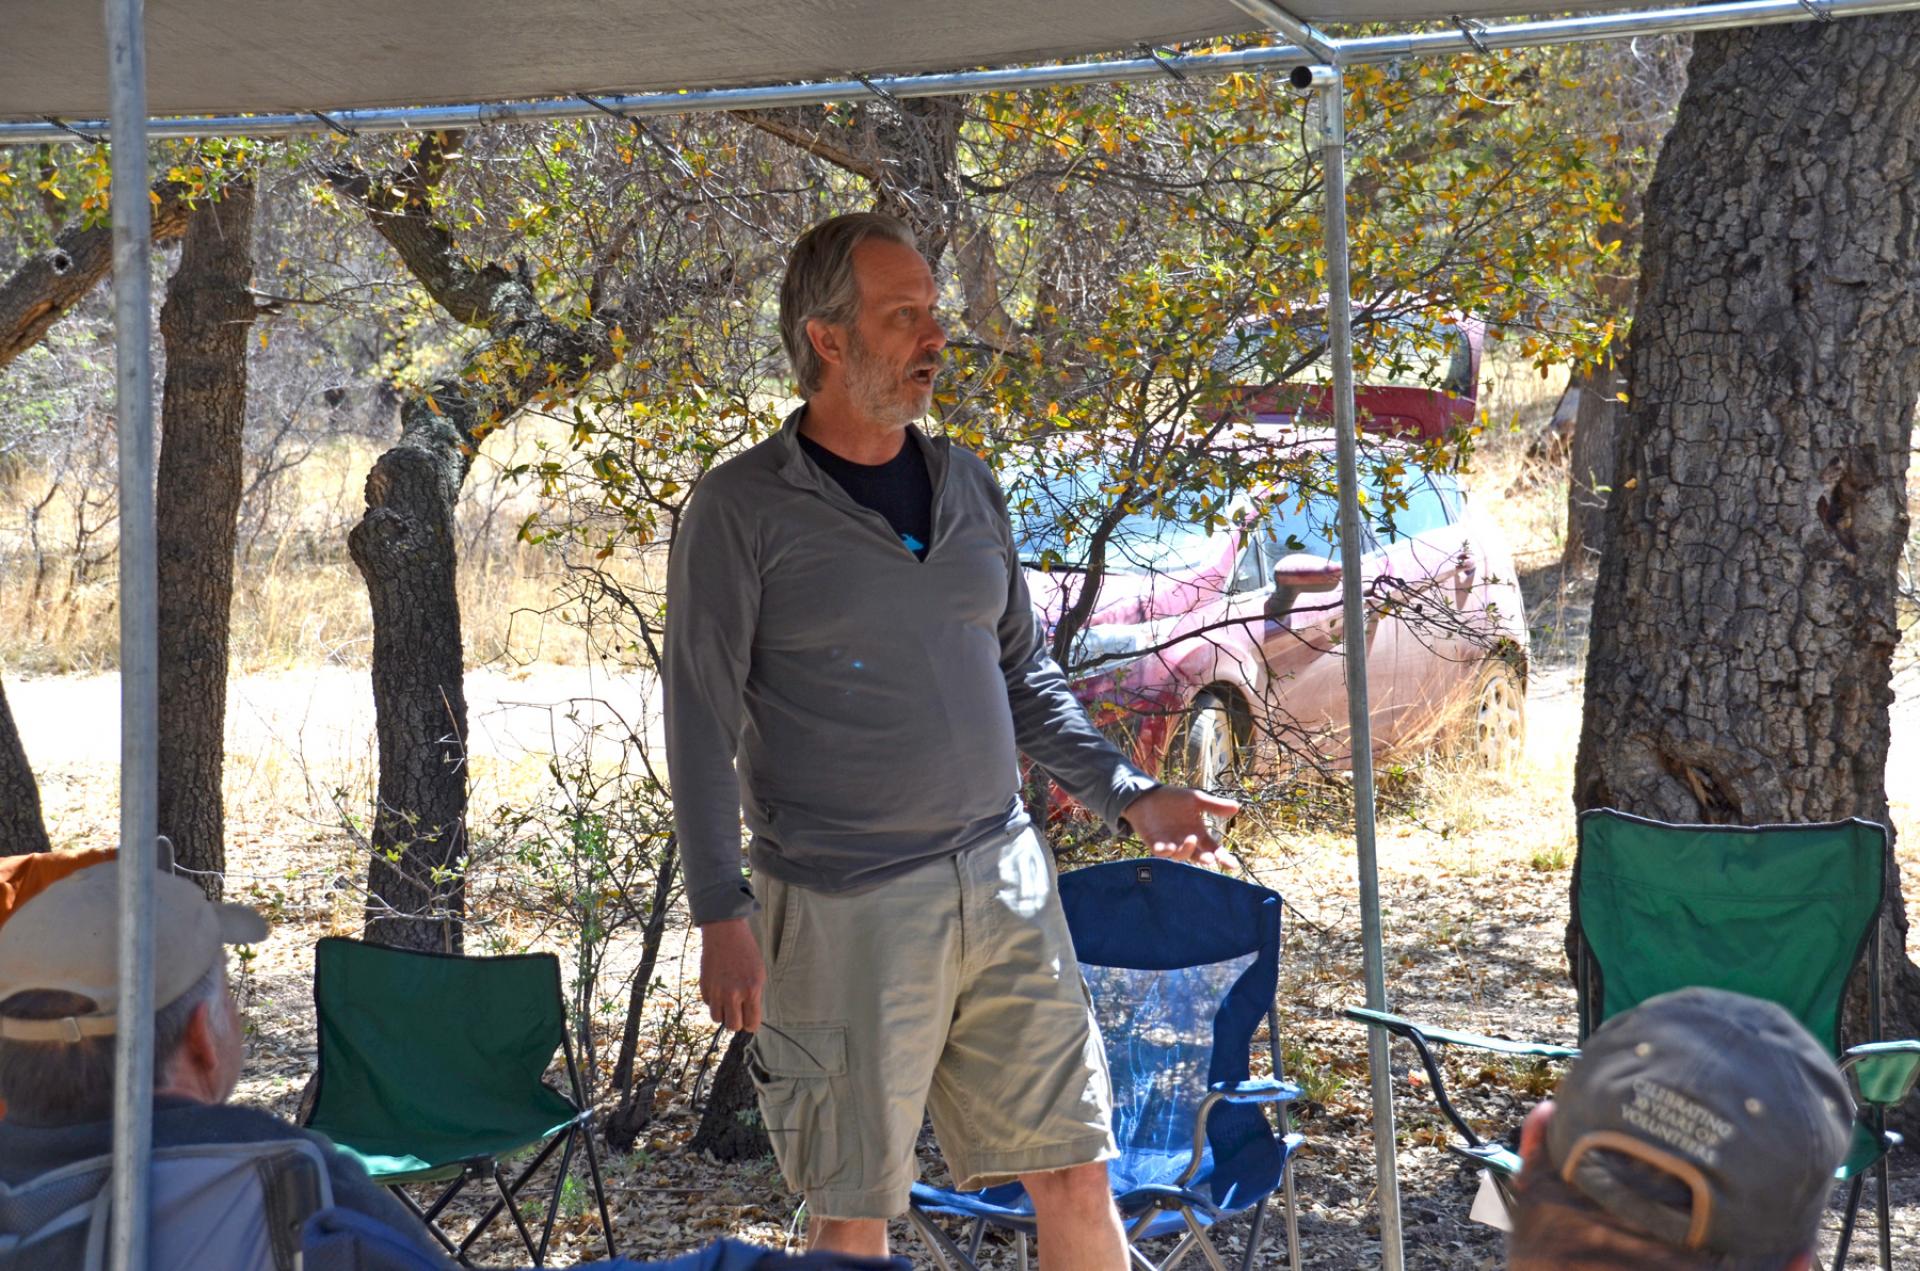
(1473,867)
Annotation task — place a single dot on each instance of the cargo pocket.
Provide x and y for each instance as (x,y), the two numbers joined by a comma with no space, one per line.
(800,1073)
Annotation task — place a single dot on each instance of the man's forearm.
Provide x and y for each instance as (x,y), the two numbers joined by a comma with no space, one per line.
(1052,728)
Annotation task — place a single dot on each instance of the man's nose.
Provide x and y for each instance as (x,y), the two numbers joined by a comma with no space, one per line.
(934,337)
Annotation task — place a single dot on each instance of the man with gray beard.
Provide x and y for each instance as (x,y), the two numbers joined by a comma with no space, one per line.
(852,659)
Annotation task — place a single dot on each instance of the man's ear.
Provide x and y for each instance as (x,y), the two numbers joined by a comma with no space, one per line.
(1533,1137)
(199,1050)
(829,341)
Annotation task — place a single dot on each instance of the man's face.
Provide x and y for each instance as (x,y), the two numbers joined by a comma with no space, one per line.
(892,352)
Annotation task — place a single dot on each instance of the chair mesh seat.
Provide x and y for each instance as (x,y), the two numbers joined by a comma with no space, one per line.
(1181,965)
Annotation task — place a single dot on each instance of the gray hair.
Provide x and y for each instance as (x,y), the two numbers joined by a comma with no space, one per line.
(71,1083)
(820,283)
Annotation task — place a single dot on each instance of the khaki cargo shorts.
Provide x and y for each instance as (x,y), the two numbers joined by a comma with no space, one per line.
(951,990)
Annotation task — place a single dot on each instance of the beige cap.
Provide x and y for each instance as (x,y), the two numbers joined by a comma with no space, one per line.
(66,940)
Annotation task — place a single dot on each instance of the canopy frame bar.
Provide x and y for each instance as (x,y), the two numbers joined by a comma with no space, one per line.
(1319,59)
(1370,49)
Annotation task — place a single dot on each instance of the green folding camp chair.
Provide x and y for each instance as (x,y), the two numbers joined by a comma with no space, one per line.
(1782,912)
(431,1071)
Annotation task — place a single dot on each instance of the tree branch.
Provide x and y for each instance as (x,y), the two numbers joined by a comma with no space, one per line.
(52,282)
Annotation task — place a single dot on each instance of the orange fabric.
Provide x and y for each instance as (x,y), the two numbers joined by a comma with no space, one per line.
(24,877)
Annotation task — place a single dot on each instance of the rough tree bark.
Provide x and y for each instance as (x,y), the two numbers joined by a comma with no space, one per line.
(22,829)
(1590,458)
(1590,464)
(34,297)
(1744,618)
(404,544)
(205,322)
(725,1130)
(51,282)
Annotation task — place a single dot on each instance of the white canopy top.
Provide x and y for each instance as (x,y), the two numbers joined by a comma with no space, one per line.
(220,56)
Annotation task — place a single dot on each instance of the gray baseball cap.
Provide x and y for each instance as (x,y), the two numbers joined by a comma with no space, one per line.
(1706,1119)
(67,939)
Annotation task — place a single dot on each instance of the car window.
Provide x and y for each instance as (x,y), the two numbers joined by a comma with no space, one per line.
(1287,527)
(1251,574)
(1425,511)
(1416,350)
(1045,508)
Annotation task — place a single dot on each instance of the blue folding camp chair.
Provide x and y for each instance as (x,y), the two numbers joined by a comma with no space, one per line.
(1182,965)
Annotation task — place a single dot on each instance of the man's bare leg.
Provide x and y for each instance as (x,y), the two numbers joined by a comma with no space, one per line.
(864,1236)
(1079,1227)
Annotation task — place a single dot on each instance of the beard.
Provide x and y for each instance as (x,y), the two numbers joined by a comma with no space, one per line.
(886,393)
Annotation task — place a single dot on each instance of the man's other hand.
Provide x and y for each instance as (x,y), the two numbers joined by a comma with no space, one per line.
(731,974)
(1172,821)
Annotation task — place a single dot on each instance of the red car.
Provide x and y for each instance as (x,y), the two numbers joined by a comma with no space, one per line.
(1210,649)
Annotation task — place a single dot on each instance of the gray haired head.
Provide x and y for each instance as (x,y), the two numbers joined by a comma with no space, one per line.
(820,283)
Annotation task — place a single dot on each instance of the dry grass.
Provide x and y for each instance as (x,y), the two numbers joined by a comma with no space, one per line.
(298,599)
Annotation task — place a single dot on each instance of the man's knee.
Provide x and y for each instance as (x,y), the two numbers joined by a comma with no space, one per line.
(1076,1186)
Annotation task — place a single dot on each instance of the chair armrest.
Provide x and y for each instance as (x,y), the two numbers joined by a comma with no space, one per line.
(1256,1090)
(1402,1027)
(1883,1072)
(1425,1038)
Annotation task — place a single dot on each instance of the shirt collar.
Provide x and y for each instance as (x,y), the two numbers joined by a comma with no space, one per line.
(796,467)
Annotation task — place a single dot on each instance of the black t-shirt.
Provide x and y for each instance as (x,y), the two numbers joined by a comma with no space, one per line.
(901,490)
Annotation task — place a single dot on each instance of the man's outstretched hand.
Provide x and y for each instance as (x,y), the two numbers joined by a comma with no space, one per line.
(732,975)
(1172,822)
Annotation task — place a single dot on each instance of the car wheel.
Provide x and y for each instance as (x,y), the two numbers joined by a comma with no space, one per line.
(1206,754)
(1495,728)
(1207,751)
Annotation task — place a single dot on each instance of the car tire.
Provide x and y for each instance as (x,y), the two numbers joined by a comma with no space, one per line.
(1206,751)
(1493,729)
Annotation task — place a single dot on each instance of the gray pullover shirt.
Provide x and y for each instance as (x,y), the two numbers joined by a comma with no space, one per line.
(864,708)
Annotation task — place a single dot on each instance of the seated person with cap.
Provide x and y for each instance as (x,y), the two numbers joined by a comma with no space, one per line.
(1699,1130)
(59,1011)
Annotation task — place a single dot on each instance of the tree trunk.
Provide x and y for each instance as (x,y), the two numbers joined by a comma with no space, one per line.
(404,545)
(205,322)
(724,1129)
(1744,619)
(652,935)
(1590,465)
(21,828)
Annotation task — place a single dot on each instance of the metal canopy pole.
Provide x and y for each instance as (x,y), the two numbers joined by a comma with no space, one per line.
(1331,94)
(139,637)
(1328,86)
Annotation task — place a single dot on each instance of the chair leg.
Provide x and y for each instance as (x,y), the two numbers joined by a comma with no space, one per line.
(508,1193)
(974,1238)
(1020,1247)
(1881,1203)
(599,1189)
(1846,1222)
(559,1192)
(940,1243)
(1254,1232)
(513,1212)
(1201,1242)
(433,1229)
(1293,1222)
